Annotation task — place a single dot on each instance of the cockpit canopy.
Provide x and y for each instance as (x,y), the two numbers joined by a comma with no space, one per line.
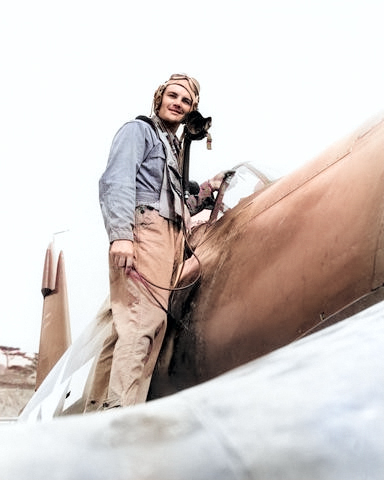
(247,180)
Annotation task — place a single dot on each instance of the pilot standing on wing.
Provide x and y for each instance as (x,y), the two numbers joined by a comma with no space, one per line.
(142,205)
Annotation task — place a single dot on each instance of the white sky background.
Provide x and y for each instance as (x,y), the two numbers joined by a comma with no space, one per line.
(281,79)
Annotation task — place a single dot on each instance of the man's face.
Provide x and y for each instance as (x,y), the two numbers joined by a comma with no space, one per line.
(175,104)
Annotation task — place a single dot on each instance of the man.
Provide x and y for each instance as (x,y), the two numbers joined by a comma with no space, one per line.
(142,205)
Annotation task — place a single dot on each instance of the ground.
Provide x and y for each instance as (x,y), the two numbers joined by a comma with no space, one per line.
(17,385)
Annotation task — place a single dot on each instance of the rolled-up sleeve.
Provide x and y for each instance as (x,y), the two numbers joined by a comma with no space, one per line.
(117,185)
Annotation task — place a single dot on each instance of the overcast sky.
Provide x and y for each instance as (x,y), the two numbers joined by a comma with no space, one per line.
(281,79)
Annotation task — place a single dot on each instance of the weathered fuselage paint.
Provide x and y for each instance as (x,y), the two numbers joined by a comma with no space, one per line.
(279,262)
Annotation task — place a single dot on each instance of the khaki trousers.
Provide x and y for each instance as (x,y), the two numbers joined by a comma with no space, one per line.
(138,312)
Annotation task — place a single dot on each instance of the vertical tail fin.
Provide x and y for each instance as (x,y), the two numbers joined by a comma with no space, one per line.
(55,335)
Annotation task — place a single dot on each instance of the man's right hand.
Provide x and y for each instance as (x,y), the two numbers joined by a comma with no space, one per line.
(121,254)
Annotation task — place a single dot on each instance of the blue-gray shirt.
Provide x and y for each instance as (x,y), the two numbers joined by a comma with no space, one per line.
(133,177)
